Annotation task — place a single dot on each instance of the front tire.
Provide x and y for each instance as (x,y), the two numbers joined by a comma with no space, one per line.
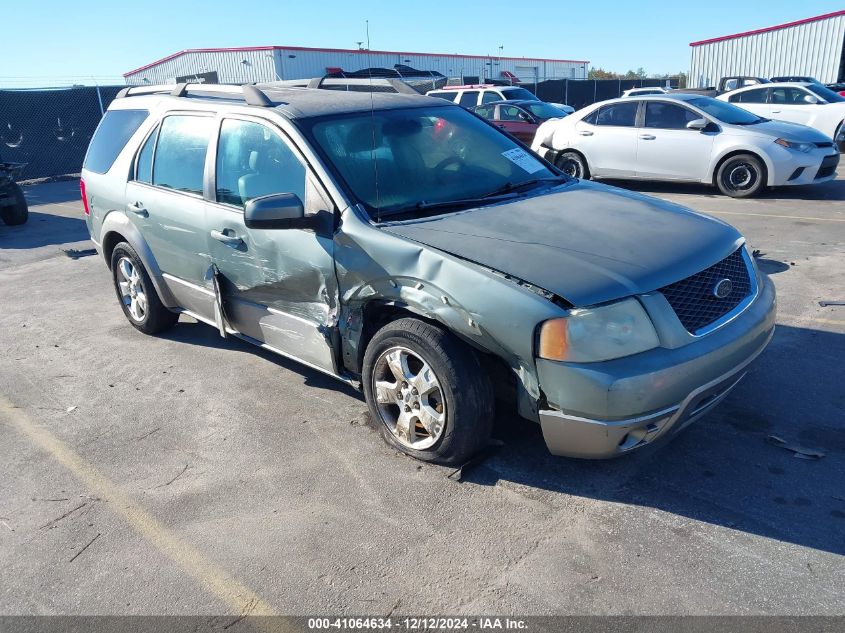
(136,293)
(573,165)
(428,392)
(741,176)
(18,213)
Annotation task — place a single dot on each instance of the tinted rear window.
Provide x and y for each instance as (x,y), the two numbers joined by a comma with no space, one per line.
(469,98)
(114,130)
(179,160)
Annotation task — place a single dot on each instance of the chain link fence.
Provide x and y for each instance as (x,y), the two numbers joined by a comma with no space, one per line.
(49,129)
(580,93)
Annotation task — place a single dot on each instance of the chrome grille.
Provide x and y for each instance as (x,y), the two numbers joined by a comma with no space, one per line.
(693,298)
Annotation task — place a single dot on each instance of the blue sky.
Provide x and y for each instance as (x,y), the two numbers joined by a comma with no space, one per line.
(65,42)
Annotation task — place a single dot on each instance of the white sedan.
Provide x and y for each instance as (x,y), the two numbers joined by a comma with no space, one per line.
(686,137)
(799,102)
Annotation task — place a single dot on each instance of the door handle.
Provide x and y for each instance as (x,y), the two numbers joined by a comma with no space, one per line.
(647,137)
(228,240)
(775,111)
(585,133)
(138,209)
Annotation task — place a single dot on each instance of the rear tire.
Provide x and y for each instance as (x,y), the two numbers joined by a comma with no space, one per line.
(428,392)
(137,294)
(741,176)
(18,213)
(573,165)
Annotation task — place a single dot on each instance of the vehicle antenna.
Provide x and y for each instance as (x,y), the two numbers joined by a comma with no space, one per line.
(373,124)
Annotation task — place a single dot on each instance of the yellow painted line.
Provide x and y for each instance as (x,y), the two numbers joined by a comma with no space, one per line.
(771,215)
(212,577)
(829,321)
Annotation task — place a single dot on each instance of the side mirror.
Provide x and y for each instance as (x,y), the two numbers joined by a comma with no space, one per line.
(276,211)
(810,99)
(698,124)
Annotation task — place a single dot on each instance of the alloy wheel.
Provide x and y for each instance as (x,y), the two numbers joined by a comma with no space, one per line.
(131,289)
(409,398)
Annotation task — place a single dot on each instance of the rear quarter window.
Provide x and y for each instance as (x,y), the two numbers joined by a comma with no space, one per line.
(116,128)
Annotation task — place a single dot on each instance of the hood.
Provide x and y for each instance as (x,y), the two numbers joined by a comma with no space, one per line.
(785,129)
(588,243)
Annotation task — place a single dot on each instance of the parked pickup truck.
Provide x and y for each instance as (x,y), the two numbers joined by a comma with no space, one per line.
(726,84)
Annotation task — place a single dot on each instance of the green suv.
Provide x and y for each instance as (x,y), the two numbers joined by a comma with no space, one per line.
(404,245)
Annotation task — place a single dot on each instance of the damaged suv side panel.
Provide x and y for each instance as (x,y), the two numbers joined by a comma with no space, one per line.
(486,310)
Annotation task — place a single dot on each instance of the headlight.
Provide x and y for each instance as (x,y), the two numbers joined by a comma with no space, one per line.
(596,334)
(796,145)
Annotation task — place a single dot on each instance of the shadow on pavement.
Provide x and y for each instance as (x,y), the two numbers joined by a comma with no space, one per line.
(64,191)
(722,470)
(43,229)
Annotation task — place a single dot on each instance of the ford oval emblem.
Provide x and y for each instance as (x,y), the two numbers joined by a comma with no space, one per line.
(723,289)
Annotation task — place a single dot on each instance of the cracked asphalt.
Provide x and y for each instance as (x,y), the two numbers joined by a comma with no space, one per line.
(188,474)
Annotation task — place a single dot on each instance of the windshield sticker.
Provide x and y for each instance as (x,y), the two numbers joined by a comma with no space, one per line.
(523,159)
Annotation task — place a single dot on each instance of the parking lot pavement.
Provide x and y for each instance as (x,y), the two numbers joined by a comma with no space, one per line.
(191,474)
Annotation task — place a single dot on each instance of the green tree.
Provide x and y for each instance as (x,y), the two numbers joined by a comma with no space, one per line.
(601,73)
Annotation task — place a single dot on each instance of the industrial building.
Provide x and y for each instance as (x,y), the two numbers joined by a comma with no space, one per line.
(809,47)
(273,63)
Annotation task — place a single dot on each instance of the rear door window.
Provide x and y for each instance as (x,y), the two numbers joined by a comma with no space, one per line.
(749,96)
(469,98)
(180,153)
(489,97)
(485,111)
(116,128)
(618,114)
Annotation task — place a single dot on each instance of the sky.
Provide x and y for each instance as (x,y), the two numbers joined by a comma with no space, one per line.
(61,43)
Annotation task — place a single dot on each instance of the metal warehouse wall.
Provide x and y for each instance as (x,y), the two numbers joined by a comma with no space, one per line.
(260,65)
(269,63)
(812,48)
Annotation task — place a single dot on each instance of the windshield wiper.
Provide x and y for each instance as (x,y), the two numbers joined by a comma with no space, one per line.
(424,208)
(509,187)
(504,192)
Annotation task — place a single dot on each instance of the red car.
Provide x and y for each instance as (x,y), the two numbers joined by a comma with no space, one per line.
(519,118)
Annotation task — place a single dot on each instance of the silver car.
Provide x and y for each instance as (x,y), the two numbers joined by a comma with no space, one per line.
(687,137)
(406,246)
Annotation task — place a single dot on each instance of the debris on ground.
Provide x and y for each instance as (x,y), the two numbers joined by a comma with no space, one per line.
(71,409)
(181,472)
(824,304)
(76,254)
(478,458)
(798,451)
(75,556)
(50,524)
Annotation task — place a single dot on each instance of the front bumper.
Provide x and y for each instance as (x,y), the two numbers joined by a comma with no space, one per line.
(602,410)
(795,168)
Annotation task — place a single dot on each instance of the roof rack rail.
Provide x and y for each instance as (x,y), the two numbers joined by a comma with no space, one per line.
(357,84)
(251,94)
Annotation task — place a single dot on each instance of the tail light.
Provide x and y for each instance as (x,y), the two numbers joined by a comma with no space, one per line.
(84,197)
